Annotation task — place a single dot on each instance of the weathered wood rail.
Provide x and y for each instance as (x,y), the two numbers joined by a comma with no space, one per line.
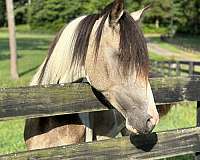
(153,146)
(29,102)
(176,68)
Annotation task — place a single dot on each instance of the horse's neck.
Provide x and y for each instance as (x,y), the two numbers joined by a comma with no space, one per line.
(58,67)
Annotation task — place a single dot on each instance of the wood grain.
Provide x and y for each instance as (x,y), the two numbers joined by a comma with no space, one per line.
(153,146)
(29,102)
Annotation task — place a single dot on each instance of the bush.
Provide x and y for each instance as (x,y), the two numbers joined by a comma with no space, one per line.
(150,28)
(21,13)
(51,15)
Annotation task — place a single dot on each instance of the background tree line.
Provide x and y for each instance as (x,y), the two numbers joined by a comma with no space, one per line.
(180,15)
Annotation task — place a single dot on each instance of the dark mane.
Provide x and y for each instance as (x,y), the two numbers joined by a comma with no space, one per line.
(82,36)
(133,49)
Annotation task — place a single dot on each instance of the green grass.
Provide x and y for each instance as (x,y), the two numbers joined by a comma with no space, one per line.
(157,40)
(156,57)
(11,136)
(32,49)
(189,41)
(182,115)
(178,53)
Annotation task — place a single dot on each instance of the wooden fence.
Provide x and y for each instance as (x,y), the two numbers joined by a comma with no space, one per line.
(43,101)
(176,68)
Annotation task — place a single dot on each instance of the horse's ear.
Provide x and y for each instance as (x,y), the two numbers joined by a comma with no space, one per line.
(137,15)
(117,11)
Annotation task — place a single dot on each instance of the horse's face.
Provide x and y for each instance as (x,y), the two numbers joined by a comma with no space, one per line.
(131,95)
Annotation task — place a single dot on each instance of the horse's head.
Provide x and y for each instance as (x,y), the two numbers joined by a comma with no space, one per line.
(116,64)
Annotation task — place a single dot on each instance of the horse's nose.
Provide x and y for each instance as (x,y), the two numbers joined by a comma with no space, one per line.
(141,125)
(150,125)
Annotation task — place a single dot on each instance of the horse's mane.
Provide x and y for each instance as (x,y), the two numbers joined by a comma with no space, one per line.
(133,49)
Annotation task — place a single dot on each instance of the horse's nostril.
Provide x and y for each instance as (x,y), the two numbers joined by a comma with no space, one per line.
(150,125)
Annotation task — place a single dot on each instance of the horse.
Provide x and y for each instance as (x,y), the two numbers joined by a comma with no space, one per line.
(109,50)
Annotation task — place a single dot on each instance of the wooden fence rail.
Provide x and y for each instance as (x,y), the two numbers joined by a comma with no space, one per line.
(177,67)
(153,146)
(29,102)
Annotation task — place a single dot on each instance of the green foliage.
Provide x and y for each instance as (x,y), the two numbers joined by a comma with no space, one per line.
(53,14)
(190,17)
(2,13)
(150,28)
(92,6)
(50,15)
(21,11)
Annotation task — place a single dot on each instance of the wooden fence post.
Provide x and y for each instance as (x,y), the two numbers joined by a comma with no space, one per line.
(178,68)
(169,68)
(197,155)
(191,68)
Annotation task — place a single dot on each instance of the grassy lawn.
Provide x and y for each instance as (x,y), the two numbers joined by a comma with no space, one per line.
(32,49)
(189,41)
(178,53)
(156,57)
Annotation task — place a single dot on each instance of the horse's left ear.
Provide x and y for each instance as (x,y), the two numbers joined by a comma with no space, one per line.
(117,11)
(137,15)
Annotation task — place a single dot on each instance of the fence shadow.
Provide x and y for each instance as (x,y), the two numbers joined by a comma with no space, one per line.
(4,57)
(26,44)
(7,57)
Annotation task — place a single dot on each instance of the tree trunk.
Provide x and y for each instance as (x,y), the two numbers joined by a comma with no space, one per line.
(12,39)
(157,23)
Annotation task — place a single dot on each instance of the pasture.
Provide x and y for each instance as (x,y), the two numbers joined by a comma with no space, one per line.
(32,49)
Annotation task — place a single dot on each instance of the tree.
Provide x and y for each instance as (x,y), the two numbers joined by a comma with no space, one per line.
(190,18)
(21,11)
(53,14)
(12,39)
(176,14)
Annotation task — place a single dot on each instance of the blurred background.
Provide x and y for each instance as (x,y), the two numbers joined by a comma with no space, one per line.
(171,27)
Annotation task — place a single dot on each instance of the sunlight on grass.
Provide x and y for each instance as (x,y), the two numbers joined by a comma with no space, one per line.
(178,53)
(31,49)
(11,136)
(156,57)
(174,118)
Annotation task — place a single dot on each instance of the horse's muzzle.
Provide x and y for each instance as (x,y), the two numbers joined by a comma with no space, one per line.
(143,126)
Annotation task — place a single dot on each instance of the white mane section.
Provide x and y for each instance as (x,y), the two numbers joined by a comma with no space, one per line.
(58,66)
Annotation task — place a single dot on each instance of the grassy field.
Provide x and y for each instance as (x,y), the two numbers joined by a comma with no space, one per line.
(177,52)
(32,49)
